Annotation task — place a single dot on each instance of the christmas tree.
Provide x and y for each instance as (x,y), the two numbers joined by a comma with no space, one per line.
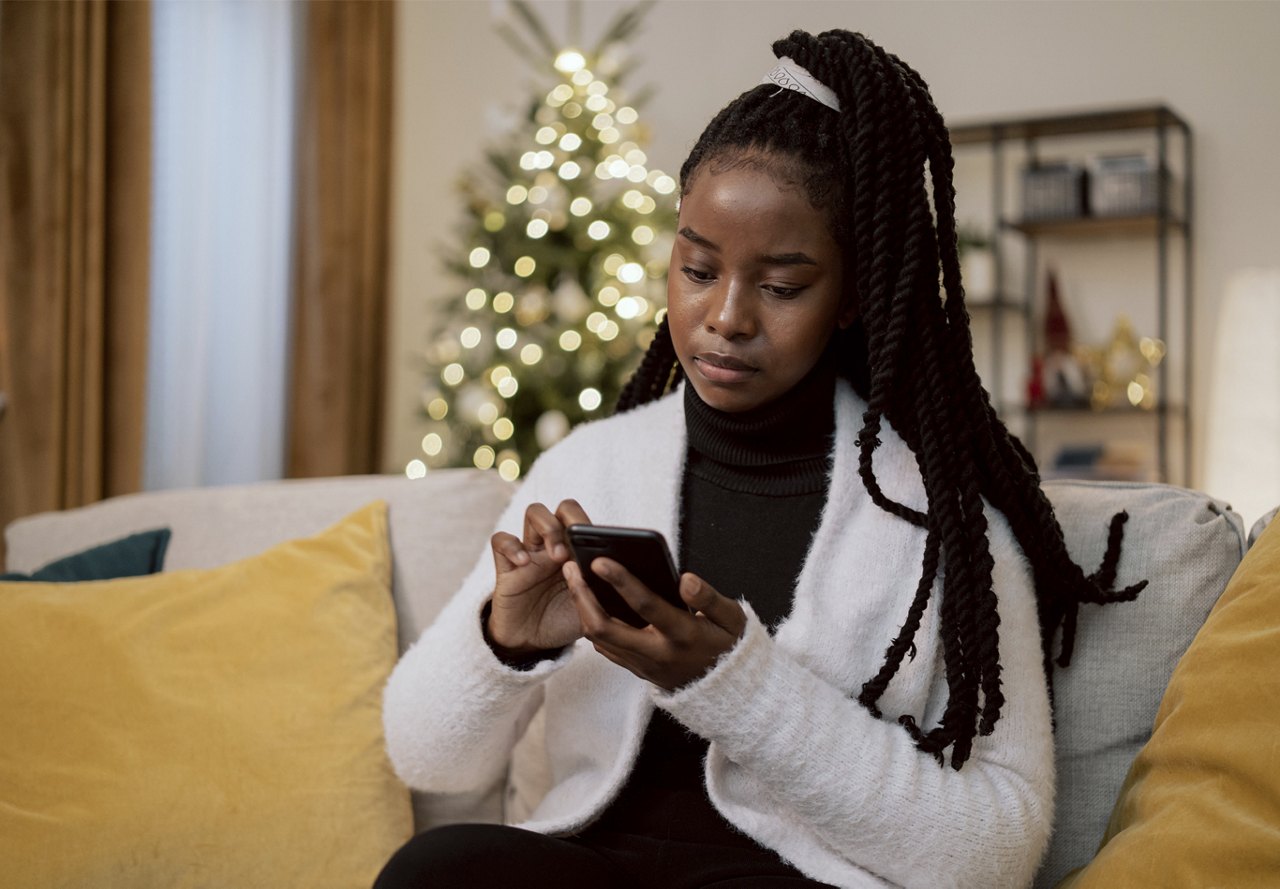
(562,265)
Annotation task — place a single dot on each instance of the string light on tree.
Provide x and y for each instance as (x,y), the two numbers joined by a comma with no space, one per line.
(560,266)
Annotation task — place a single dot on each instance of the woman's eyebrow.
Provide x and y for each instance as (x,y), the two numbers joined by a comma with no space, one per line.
(691,235)
(794,258)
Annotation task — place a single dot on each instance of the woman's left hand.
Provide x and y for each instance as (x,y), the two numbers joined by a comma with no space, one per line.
(678,646)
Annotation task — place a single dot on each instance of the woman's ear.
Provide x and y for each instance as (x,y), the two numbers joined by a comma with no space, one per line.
(849,311)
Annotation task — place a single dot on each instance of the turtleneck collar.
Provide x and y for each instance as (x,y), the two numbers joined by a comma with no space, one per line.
(781,448)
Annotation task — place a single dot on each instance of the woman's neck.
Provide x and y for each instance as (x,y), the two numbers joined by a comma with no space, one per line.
(780,448)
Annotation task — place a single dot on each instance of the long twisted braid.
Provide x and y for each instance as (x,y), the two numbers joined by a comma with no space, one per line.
(910,356)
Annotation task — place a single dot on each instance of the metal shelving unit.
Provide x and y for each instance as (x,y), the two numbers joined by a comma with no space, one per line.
(1171,229)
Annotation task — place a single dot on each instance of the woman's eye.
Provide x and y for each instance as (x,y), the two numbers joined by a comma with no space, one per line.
(697,275)
(782,292)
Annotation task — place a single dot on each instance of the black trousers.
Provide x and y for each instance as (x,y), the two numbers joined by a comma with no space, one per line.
(473,856)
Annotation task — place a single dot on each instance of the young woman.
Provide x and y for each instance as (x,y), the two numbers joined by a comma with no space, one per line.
(857,692)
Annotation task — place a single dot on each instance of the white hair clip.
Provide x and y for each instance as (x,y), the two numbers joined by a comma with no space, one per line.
(791,76)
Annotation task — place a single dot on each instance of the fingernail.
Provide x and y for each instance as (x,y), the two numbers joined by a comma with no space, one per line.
(560,552)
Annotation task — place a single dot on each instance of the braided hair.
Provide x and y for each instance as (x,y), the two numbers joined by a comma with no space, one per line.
(909,355)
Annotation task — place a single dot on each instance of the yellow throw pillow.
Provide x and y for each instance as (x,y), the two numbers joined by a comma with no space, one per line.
(1200,807)
(213,728)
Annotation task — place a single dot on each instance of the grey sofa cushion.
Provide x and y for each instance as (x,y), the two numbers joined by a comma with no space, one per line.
(1187,545)
(1261,525)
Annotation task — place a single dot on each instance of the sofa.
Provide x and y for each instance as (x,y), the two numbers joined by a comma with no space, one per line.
(312,568)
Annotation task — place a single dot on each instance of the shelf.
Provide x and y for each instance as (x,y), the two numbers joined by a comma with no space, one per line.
(989,303)
(1132,118)
(1014,141)
(1145,225)
(1087,411)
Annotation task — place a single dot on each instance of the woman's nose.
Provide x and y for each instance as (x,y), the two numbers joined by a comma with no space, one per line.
(731,313)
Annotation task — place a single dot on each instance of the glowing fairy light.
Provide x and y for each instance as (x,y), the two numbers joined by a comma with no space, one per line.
(570,170)
(570,141)
(479,257)
(531,354)
(609,135)
(608,331)
(571,110)
(602,121)
(517,194)
(596,103)
(494,221)
(664,185)
(628,308)
(568,61)
(524,266)
(647,206)
(580,206)
(487,412)
(627,115)
(470,337)
(506,338)
(636,174)
(509,469)
(483,457)
(416,469)
(608,295)
(618,168)
(583,77)
(503,302)
(598,231)
(631,273)
(438,408)
(595,321)
(642,235)
(632,198)
(503,429)
(476,298)
(452,374)
(545,136)
(612,263)
(570,340)
(508,387)
(432,444)
(589,398)
(536,228)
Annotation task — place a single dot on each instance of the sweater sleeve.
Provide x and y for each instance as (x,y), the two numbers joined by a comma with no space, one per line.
(452,710)
(857,785)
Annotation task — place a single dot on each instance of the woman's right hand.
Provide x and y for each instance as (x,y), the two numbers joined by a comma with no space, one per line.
(532,607)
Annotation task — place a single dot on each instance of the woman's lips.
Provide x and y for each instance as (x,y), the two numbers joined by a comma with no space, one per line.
(721,368)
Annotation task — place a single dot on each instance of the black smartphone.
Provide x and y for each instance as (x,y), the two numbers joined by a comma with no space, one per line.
(641,551)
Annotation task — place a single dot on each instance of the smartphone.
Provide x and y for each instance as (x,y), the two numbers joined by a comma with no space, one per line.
(641,551)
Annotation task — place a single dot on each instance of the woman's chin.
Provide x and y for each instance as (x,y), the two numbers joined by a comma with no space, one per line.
(731,398)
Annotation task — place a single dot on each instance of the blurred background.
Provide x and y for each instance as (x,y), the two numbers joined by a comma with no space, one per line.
(246,241)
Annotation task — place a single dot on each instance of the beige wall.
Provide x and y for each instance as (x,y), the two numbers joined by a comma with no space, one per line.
(1212,61)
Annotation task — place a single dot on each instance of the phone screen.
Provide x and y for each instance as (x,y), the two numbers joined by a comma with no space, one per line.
(641,551)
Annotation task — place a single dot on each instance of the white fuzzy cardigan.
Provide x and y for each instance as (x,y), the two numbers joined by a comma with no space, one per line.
(794,760)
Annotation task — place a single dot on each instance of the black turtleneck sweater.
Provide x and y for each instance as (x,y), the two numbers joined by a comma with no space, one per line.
(754,487)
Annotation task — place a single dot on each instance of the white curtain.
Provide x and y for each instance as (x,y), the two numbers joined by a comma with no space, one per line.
(222,196)
(1242,453)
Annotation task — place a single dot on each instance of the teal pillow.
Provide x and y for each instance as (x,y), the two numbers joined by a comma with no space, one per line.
(137,554)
